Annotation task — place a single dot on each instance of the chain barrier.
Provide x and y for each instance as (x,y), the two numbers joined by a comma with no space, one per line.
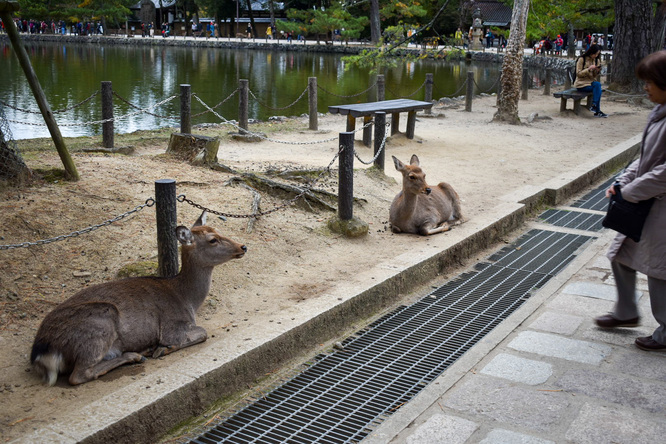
(379,151)
(455,94)
(93,95)
(623,94)
(260,136)
(279,108)
(408,96)
(149,203)
(182,198)
(483,92)
(127,102)
(113,119)
(218,105)
(346,97)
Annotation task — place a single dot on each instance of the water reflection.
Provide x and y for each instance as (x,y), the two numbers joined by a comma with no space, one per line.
(147,75)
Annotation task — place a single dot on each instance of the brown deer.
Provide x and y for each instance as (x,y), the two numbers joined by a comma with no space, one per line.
(108,325)
(419,209)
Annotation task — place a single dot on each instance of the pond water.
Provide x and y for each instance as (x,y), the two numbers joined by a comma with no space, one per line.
(142,77)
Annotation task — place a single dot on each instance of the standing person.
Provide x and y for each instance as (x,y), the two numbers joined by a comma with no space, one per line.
(249,31)
(587,77)
(558,45)
(644,179)
(269,33)
(458,37)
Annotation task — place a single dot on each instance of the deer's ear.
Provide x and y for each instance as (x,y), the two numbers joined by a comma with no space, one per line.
(202,219)
(398,165)
(414,160)
(184,235)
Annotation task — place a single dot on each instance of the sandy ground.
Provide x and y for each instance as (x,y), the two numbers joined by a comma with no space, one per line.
(292,257)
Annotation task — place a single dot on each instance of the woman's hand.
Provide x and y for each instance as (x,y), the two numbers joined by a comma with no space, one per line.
(610,191)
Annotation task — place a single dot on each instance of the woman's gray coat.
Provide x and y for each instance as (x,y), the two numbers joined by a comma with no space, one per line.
(644,179)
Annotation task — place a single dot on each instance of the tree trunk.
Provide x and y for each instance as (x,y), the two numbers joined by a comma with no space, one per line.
(253,26)
(512,67)
(659,28)
(632,42)
(571,41)
(375,26)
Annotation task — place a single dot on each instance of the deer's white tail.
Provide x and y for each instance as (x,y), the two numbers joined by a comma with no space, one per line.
(49,365)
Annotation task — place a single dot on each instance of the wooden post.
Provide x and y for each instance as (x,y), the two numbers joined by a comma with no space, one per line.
(312,101)
(107,113)
(185,109)
(380,134)
(470,91)
(549,76)
(243,101)
(381,86)
(6,9)
(166,217)
(428,90)
(367,130)
(526,81)
(346,177)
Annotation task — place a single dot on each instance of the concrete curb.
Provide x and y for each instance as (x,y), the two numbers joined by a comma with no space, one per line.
(206,375)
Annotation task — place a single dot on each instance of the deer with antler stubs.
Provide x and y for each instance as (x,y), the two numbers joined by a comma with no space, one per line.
(108,325)
(420,209)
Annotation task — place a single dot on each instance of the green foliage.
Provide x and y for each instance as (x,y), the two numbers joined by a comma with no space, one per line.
(75,11)
(315,21)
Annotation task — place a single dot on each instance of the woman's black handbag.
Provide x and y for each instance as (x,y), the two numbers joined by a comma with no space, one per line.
(626,217)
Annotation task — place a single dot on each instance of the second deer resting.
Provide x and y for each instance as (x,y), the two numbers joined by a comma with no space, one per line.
(108,325)
(420,209)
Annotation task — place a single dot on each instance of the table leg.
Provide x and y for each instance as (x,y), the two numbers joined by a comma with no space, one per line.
(411,123)
(367,130)
(351,123)
(395,123)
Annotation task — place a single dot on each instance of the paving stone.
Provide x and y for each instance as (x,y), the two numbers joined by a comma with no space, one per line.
(580,305)
(501,436)
(443,428)
(641,365)
(603,424)
(620,389)
(558,347)
(511,404)
(592,290)
(518,369)
(560,323)
(601,262)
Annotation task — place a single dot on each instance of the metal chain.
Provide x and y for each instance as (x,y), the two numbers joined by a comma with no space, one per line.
(352,95)
(149,203)
(183,198)
(379,151)
(218,105)
(493,86)
(260,136)
(53,112)
(127,102)
(404,97)
(279,108)
(112,119)
(455,93)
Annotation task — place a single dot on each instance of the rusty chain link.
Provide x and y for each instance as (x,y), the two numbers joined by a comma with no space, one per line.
(54,112)
(278,108)
(351,95)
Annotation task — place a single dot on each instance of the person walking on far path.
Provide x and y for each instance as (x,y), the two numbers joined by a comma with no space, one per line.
(644,179)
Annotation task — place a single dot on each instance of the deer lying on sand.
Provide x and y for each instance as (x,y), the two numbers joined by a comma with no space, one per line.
(420,209)
(108,325)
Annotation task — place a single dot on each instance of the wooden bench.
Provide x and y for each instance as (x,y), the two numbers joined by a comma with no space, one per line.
(394,107)
(574,94)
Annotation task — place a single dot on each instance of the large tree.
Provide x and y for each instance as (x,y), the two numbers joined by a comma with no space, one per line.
(512,67)
(633,41)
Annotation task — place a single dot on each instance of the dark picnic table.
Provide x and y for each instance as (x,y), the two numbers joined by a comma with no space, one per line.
(368,109)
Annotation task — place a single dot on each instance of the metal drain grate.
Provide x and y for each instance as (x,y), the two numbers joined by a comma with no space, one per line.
(341,396)
(573,219)
(595,199)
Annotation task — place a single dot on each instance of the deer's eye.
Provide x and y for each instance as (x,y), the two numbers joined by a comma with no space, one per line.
(213,241)
(412,177)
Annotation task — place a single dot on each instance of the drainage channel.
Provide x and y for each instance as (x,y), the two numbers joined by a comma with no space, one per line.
(343,395)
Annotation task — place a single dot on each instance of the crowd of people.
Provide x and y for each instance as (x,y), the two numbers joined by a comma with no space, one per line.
(56,27)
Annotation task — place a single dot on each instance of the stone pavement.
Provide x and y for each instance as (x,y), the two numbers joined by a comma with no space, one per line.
(548,374)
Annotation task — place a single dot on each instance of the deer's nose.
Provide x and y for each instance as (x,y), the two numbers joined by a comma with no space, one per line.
(428,190)
(244,248)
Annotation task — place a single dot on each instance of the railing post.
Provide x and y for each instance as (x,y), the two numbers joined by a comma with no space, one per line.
(243,100)
(312,101)
(470,91)
(107,113)
(428,90)
(346,177)
(380,134)
(166,217)
(185,109)
(526,81)
(381,86)
(549,76)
